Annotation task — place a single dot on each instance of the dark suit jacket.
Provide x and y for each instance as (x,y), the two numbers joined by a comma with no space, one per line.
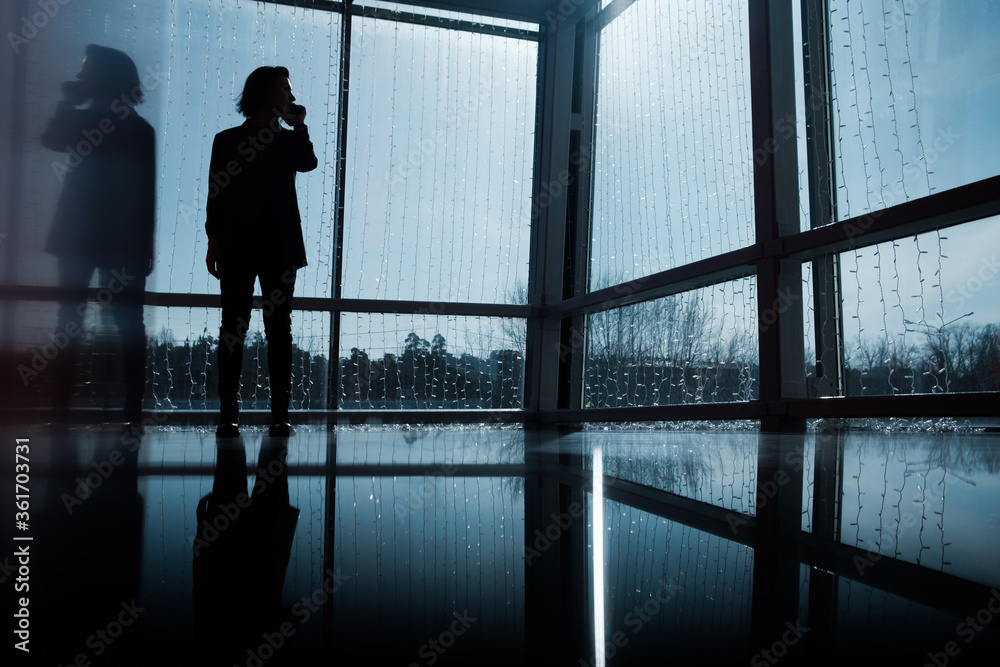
(107,207)
(252,208)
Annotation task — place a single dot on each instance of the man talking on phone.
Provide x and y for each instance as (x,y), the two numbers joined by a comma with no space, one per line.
(254,231)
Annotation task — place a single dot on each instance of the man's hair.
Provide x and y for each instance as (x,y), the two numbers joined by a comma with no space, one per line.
(258,91)
(116,73)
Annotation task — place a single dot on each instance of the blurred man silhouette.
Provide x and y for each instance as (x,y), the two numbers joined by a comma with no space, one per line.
(254,231)
(105,215)
(89,520)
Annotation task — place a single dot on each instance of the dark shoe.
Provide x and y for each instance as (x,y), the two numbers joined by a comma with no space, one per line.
(227,431)
(281,430)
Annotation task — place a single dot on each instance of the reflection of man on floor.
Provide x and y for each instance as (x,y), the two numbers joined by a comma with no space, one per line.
(242,549)
(89,549)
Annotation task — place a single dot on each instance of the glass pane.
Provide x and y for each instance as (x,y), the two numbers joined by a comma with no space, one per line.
(808,482)
(434,447)
(683,588)
(414,560)
(31,352)
(693,347)
(711,466)
(922,314)
(870,618)
(193,61)
(51,55)
(430,361)
(440,150)
(672,158)
(211,49)
(398,8)
(183,371)
(809,323)
(181,365)
(919,497)
(915,89)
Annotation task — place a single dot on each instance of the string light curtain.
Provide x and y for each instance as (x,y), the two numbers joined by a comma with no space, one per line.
(440,155)
(672,156)
(672,184)
(695,347)
(911,89)
(212,48)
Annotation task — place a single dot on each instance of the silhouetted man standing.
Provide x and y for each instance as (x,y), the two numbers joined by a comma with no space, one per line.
(105,217)
(254,231)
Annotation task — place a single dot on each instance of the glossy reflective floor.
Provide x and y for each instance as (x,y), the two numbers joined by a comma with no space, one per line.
(471,545)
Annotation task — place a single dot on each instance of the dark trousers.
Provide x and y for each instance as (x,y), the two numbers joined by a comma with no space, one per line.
(276,286)
(123,289)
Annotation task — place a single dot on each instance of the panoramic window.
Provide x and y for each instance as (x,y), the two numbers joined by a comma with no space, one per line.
(672,168)
(440,154)
(693,347)
(914,88)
